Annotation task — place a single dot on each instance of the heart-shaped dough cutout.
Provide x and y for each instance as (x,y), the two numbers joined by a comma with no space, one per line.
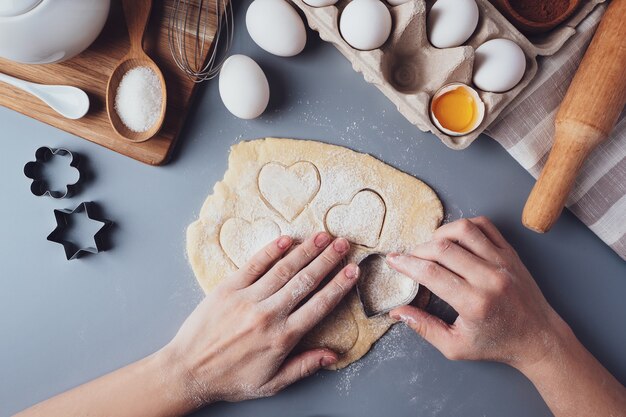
(381,288)
(360,221)
(288,190)
(241,239)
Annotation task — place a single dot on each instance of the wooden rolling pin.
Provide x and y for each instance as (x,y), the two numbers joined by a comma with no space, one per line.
(589,111)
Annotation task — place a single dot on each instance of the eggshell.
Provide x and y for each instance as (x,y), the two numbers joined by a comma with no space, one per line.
(451,22)
(365,24)
(397,2)
(499,65)
(243,87)
(276,27)
(320,3)
(480,107)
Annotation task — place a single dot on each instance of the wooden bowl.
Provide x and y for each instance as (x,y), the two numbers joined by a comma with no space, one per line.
(512,10)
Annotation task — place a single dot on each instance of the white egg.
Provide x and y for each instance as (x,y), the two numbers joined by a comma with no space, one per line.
(365,24)
(397,2)
(275,26)
(320,3)
(499,65)
(452,22)
(243,87)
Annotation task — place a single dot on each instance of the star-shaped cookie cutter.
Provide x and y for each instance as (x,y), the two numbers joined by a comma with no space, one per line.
(33,170)
(63,216)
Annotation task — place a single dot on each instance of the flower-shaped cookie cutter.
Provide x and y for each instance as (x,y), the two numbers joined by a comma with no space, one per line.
(34,171)
(64,223)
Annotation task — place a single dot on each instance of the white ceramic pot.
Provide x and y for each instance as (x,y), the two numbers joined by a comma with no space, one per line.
(47,31)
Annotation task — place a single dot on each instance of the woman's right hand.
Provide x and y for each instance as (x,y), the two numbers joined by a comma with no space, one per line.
(503,315)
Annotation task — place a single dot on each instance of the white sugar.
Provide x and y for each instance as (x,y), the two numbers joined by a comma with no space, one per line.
(138,99)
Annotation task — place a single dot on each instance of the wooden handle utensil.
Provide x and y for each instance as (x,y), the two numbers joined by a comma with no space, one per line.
(585,119)
(137,13)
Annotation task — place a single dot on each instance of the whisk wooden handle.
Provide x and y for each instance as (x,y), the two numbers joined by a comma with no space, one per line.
(137,13)
(585,119)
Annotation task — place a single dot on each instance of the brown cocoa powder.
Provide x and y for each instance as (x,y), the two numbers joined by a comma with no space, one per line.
(540,11)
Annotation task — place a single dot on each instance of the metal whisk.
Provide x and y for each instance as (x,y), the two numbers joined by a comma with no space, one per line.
(189,36)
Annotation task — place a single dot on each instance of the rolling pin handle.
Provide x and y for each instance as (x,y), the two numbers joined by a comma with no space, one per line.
(587,115)
(573,143)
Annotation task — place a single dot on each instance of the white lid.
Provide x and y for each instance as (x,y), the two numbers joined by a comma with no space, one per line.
(12,8)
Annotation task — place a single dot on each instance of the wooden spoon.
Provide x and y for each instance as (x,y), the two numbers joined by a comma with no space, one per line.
(137,13)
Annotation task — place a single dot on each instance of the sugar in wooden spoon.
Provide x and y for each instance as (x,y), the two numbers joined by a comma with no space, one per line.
(142,116)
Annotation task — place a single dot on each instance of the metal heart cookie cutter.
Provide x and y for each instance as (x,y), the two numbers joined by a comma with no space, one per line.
(380,288)
(64,222)
(34,171)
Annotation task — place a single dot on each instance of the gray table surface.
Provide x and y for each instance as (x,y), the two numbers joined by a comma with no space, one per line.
(63,323)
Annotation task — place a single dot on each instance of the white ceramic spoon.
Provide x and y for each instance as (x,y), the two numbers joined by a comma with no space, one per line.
(69,102)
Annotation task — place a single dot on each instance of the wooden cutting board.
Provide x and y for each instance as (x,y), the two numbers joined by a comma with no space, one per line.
(90,71)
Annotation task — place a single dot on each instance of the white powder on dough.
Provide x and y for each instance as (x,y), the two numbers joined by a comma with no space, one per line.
(400,210)
(241,239)
(289,189)
(381,288)
(360,221)
(139,98)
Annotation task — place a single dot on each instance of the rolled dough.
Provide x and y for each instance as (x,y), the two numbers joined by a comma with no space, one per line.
(296,187)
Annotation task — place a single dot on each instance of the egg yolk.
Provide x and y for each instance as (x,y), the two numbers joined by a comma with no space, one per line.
(456,110)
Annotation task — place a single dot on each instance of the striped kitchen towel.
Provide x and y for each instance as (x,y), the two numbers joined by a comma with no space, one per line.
(526,129)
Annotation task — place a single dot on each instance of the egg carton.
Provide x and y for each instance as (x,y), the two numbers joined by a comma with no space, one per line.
(409,70)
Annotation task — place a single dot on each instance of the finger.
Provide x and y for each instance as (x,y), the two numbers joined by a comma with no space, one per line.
(284,270)
(447,285)
(300,366)
(491,231)
(324,301)
(469,236)
(453,257)
(310,277)
(261,262)
(434,330)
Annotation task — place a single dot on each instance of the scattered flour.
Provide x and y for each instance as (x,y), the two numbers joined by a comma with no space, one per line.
(390,347)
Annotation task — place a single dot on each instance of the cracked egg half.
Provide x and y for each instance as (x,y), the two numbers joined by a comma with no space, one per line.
(457,109)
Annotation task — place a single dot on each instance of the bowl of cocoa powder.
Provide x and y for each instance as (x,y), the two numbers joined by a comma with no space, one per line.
(536,16)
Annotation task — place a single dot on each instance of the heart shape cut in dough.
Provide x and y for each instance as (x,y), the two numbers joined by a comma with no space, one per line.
(288,190)
(360,221)
(241,239)
(381,288)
